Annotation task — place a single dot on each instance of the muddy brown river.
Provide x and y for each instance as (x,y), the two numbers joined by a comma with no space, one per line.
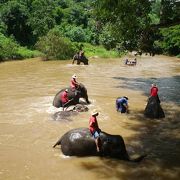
(28,131)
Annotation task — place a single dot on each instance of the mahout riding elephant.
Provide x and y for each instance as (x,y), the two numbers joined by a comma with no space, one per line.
(79,142)
(153,108)
(73,96)
(80,59)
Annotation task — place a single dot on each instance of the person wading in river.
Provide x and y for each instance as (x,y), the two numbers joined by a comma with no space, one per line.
(122,104)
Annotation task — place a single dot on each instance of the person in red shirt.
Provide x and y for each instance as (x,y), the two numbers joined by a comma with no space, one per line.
(95,130)
(154,92)
(64,98)
(74,84)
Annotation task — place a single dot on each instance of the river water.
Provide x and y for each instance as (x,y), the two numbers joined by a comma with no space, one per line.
(28,131)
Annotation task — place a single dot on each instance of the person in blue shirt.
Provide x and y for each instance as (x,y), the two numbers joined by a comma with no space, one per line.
(122,104)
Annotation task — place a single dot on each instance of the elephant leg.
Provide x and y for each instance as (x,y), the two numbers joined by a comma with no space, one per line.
(78,62)
(87,100)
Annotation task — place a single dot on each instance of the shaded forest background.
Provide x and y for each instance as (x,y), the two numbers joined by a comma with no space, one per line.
(58,28)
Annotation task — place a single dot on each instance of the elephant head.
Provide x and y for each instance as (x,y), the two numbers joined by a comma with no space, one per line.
(79,142)
(73,96)
(83,92)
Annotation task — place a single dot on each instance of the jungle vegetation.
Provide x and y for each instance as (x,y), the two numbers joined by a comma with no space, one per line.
(58,28)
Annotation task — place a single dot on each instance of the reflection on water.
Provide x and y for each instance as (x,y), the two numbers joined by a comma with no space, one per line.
(168,86)
(28,130)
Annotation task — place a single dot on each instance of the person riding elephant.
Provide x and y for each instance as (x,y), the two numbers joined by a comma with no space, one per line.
(64,99)
(94,129)
(74,84)
(153,108)
(80,57)
(79,142)
(72,96)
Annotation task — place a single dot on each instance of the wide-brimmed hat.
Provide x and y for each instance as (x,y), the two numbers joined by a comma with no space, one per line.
(74,76)
(94,112)
(66,90)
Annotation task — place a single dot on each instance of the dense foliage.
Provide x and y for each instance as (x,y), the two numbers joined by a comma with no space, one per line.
(9,49)
(118,24)
(54,45)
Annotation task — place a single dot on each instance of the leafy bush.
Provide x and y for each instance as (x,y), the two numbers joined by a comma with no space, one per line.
(27,53)
(9,49)
(100,51)
(55,46)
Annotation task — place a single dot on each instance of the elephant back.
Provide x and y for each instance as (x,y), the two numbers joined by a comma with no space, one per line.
(153,108)
(78,142)
(56,101)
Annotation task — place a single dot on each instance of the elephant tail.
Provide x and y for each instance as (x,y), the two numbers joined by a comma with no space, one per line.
(138,159)
(57,143)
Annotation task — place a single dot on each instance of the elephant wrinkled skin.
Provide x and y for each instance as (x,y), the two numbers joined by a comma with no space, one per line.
(79,142)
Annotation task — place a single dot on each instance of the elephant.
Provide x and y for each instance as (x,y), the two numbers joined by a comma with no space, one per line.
(79,142)
(73,96)
(80,59)
(153,108)
(70,111)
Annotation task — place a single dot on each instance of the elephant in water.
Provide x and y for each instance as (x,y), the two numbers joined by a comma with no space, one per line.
(80,59)
(70,111)
(79,142)
(153,108)
(73,96)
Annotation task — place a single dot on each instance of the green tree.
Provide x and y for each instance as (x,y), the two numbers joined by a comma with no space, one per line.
(74,33)
(128,19)
(106,38)
(169,12)
(41,17)
(15,15)
(155,11)
(170,42)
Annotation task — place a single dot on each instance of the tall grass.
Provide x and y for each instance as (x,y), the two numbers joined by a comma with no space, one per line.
(100,51)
